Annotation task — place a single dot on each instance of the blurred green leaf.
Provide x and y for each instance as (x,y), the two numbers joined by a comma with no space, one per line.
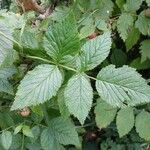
(6,139)
(105,113)
(145,50)
(27,131)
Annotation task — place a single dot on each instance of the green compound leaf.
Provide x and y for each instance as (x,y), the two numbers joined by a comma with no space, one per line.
(6,73)
(48,142)
(125,121)
(120,86)
(94,52)
(105,113)
(38,86)
(60,13)
(142,125)
(62,39)
(79,96)
(132,5)
(105,8)
(145,50)
(6,87)
(132,38)
(6,44)
(6,139)
(143,24)
(60,132)
(124,23)
(12,20)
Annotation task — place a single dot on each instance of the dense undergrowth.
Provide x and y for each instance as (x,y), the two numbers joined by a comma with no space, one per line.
(75,75)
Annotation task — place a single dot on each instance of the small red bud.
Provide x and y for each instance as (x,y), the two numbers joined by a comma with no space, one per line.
(25,112)
(92,36)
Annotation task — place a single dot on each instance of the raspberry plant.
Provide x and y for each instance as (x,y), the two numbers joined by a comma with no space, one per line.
(76,76)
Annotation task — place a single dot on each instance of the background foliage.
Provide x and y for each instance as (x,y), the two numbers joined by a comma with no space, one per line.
(75,75)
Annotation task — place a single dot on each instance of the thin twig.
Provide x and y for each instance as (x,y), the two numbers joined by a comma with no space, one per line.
(60,65)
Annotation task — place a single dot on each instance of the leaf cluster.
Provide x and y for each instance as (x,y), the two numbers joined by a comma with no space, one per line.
(84,67)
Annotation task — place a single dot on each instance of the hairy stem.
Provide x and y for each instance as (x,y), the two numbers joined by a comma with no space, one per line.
(12,40)
(60,65)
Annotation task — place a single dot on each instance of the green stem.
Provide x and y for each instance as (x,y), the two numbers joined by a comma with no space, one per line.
(6,129)
(39,58)
(1,33)
(92,77)
(22,146)
(60,65)
(51,62)
(68,68)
